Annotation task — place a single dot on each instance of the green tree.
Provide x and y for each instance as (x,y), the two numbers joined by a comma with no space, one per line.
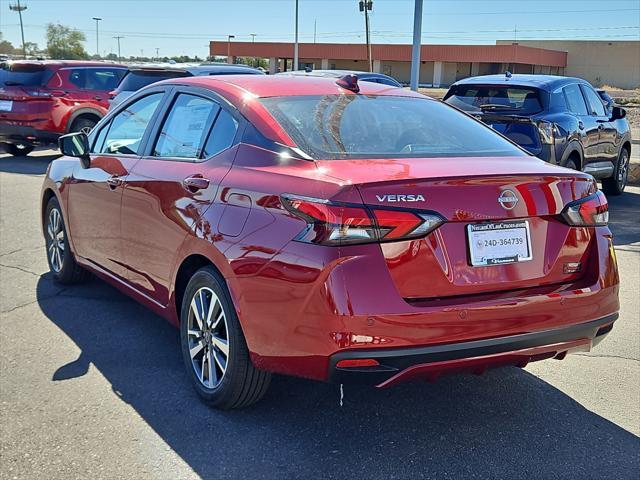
(6,48)
(65,43)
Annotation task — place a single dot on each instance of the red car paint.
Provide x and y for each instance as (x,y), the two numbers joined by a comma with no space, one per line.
(304,306)
(47,107)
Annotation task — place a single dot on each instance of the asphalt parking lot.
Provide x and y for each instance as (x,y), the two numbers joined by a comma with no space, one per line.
(92,386)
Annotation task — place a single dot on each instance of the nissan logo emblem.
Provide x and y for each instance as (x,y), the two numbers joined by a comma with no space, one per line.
(508,199)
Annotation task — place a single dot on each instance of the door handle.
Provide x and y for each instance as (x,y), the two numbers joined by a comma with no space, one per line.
(581,125)
(195,183)
(114,181)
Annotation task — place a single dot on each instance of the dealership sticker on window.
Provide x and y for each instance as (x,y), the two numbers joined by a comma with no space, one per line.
(499,243)
(6,105)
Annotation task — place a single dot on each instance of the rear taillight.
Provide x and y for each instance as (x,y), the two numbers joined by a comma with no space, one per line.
(547,131)
(38,93)
(331,223)
(589,211)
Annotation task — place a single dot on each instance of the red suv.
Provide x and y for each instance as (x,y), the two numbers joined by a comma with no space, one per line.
(41,100)
(341,232)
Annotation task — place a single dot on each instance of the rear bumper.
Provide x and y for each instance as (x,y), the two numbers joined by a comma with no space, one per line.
(397,365)
(26,135)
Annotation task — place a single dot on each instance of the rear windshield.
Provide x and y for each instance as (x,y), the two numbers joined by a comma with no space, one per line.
(369,126)
(491,98)
(31,75)
(136,80)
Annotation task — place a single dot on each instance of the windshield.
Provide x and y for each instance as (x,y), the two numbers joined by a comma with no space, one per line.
(135,80)
(31,75)
(491,98)
(363,126)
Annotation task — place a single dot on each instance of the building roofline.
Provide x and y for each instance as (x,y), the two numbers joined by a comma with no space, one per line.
(395,52)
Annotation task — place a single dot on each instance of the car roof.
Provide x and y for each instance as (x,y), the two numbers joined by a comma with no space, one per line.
(66,63)
(545,82)
(194,68)
(336,73)
(284,85)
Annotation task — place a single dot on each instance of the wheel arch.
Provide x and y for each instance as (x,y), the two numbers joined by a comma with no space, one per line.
(573,149)
(92,113)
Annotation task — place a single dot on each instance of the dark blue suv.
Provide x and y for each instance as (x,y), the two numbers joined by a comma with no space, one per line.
(561,120)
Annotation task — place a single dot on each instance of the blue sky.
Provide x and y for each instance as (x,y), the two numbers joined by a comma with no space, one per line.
(179,27)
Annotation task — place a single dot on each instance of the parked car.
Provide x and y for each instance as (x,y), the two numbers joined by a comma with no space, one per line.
(41,100)
(282,233)
(561,120)
(142,75)
(362,76)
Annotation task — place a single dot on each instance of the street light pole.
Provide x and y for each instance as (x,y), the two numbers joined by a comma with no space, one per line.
(366,6)
(97,19)
(295,46)
(118,39)
(229,60)
(20,8)
(253,37)
(417,43)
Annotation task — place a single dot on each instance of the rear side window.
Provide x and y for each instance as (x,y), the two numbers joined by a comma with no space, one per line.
(24,74)
(135,80)
(369,126)
(575,100)
(127,128)
(186,127)
(596,107)
(478,98)
(103,78)
(222,134)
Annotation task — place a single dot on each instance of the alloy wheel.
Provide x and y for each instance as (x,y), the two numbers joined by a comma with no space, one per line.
(208,337)
(623,169)
(56,240)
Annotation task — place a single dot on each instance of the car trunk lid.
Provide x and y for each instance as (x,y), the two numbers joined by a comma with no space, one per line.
(518,193)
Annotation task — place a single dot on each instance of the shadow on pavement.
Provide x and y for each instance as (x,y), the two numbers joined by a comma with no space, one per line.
(506,424)
(624,217)
(33,164)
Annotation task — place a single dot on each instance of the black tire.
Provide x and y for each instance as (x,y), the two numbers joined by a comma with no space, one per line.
(240,384)
(19,150)
(83,124)
(571,163)
(616,184)
(62,265)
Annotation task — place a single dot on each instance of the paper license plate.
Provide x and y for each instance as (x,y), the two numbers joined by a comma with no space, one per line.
(6,105)
(499,243)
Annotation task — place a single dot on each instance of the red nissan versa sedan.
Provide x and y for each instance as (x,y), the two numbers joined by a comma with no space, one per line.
(330,230)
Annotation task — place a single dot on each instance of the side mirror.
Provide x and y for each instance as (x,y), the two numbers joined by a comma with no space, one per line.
(75,145)
(618,113)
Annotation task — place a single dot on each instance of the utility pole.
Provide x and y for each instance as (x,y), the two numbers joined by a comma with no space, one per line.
(417,45)
(157,53)
(97,19)
(118,39)
(20,8)
(315,30)
(253,37)
(366,6)
(295,46)
(229,37)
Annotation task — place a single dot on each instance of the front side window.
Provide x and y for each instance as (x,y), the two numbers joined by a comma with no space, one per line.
(127,127)
(186,127)
(596,107)
(475,98)
(370,126)
(575,100)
